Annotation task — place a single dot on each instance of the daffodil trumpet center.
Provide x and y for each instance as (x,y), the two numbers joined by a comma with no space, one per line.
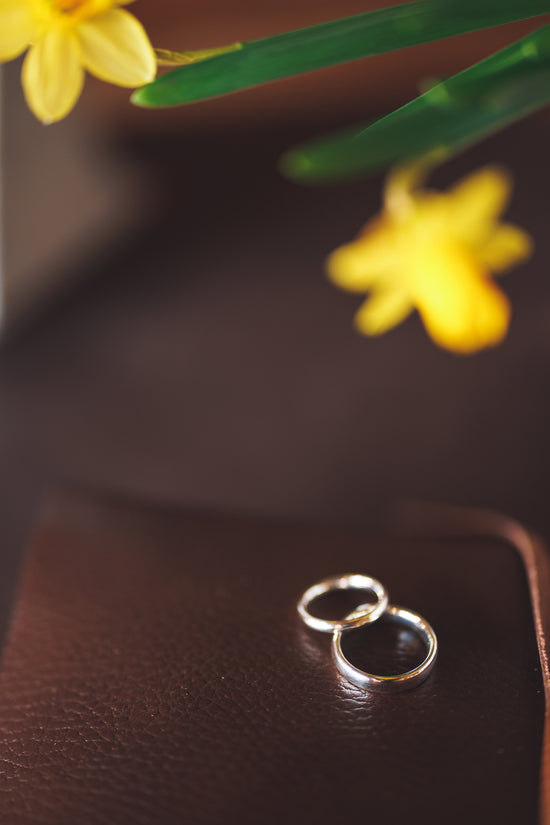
(68,6)
(72,12)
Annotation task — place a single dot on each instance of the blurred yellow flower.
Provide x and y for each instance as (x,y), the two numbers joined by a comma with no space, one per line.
(434,251)
(67,37)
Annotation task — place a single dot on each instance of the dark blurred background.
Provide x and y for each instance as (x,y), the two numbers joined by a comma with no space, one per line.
(200,356)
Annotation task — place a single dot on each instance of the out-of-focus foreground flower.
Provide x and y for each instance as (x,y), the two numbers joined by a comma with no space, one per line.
(434,251)
(67,37)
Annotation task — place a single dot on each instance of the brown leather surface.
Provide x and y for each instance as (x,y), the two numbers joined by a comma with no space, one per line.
(156,671)
(426,519)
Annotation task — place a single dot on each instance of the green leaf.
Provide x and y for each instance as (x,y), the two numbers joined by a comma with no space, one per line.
(450,116)
(329,43)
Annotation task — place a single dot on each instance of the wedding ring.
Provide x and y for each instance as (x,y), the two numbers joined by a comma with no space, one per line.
(365,614)
(403,681)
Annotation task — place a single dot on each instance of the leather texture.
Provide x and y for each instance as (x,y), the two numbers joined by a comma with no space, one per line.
(156,671)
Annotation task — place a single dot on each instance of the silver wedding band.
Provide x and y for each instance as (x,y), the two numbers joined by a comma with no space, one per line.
(367,614)
(354,581)
(402,681)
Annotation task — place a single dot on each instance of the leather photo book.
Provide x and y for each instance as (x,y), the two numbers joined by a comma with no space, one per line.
(156,672)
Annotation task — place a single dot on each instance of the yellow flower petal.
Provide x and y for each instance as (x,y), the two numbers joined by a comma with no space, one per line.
(383,310)
(507,245)
(359,264)
(116,48)
(477,201)
(52,76)
(461,309)
(16,28)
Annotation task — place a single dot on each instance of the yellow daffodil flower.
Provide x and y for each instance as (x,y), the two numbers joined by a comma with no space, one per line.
(66,37)
(434,251)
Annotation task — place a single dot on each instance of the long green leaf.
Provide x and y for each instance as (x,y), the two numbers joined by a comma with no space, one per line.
(452,115)
(329,43)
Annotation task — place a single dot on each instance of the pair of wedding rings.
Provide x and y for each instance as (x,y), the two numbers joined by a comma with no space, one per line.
(367,614)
